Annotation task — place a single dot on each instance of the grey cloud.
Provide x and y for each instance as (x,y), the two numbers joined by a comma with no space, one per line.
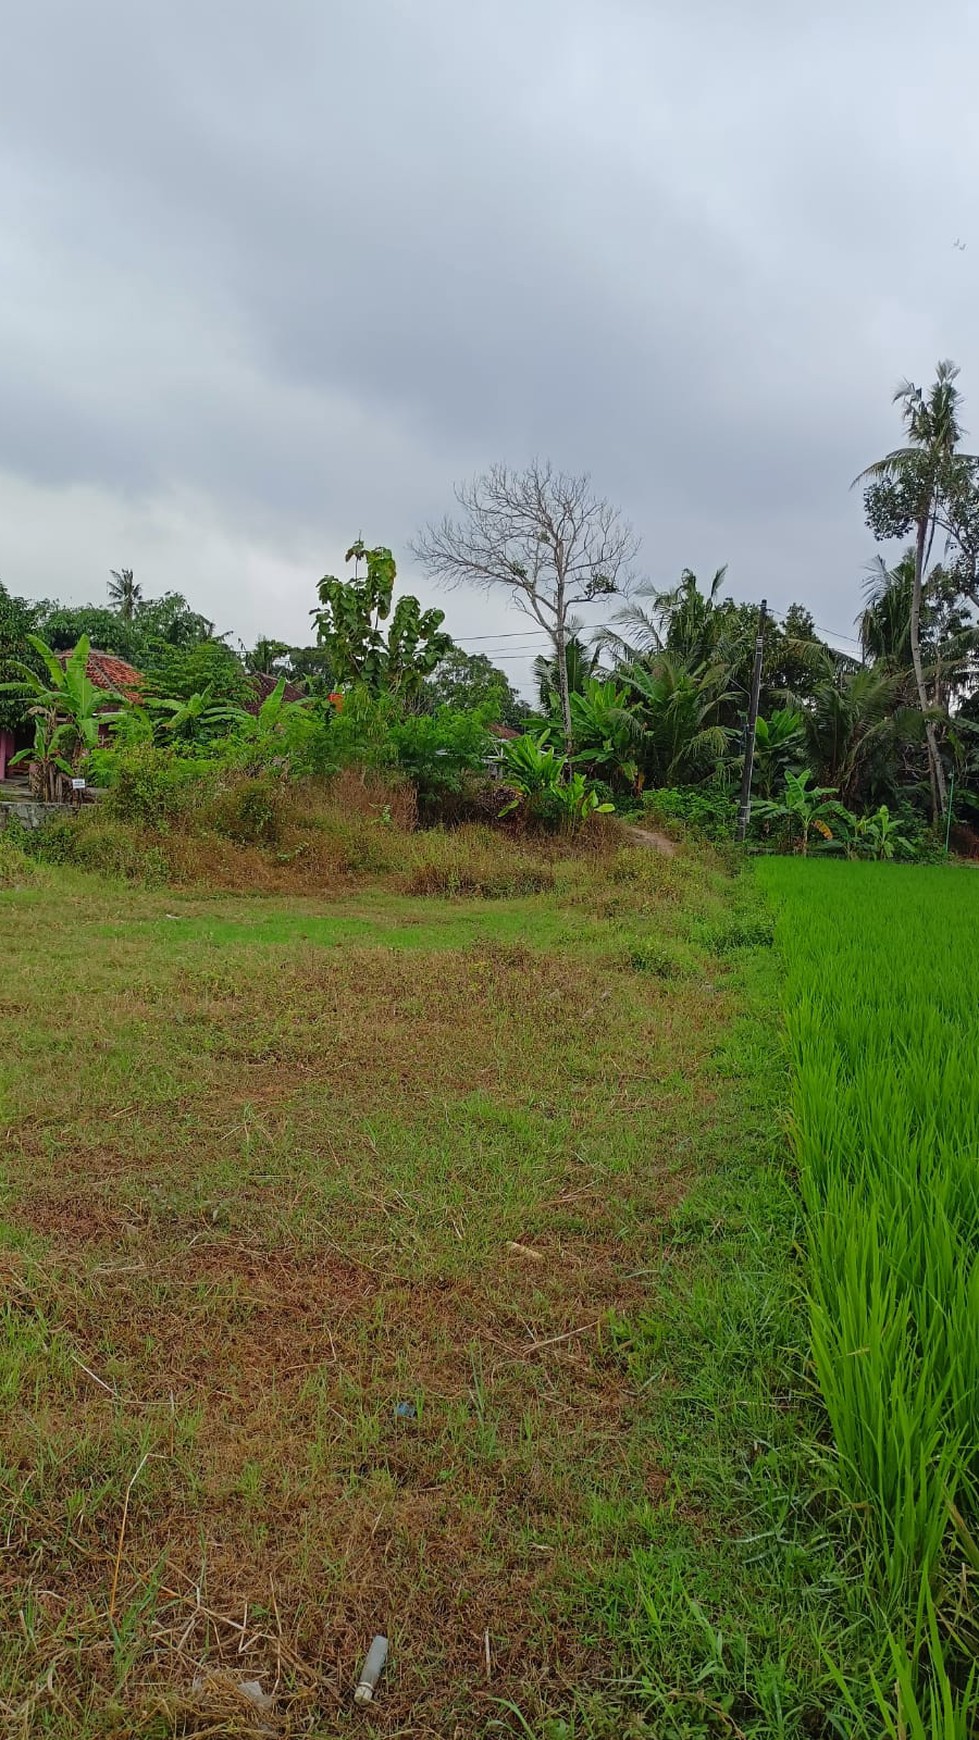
(315,262)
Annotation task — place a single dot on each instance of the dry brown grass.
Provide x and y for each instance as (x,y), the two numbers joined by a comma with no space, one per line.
(258,1196)
(270,837)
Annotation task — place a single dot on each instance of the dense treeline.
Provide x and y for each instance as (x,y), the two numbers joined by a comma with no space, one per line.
(855,749)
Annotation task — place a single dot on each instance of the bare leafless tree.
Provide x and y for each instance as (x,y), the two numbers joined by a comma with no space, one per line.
(543,535)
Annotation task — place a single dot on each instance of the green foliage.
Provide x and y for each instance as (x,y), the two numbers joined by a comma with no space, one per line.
(68,712)
(605,732)
(171,619)
(153,787)
(197,721)
(278,737)
(348,627)
(62,626)
(705,811)
(879,836)
(18,619)
(580,664)
(251,811)
(679,712)
(470,683)
(178,672)
(17,869)
(549,792)
(804,810)
(532,765)
(310,667)
(779,747)
(437,750)
(358,729)
(125,592)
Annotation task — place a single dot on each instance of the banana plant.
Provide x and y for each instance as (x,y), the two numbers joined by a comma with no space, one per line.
(547,786)
(196,717)
(69,712)
(267,736)
(532,766)
(805,810)
(605,731)
(879,835)
(779,742)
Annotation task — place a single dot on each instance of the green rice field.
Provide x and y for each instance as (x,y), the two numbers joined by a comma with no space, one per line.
(881,967)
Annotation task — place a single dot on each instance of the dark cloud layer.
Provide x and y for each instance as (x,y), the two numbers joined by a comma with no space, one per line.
(276,274)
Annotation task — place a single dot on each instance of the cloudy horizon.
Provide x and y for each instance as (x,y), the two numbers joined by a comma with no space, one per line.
(276,276)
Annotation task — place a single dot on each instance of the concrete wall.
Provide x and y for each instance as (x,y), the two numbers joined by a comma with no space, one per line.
(32,815)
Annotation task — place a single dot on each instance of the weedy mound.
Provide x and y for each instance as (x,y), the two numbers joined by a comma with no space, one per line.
(236,833)
(17,870)
(477,862)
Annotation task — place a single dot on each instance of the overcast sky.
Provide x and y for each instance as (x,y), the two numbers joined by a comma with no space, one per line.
(279,272)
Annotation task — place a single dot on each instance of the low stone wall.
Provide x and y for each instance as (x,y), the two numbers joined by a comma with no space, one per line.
(31,814)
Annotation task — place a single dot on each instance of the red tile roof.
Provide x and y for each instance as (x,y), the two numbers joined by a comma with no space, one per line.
(262,686)
(505,732)
(108,672)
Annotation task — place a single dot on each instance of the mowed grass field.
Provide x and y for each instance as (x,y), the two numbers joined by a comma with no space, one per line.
(393,1264)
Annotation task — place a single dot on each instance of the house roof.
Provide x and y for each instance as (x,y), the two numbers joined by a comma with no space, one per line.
(262,686)
(107,671)
(505,732)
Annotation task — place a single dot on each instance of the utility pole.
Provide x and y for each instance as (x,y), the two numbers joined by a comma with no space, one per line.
(744,807)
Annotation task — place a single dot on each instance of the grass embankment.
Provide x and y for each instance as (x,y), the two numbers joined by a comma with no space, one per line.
(388,1263)
(882,966)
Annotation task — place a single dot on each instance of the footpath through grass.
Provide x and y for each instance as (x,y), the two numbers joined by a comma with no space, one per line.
(330,1237)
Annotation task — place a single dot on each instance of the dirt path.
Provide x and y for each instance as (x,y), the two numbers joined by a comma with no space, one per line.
(654,841)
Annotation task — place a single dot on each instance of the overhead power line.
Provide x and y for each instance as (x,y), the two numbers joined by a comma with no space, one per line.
(537,635)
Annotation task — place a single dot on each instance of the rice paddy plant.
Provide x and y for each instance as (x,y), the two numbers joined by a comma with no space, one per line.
(882,963)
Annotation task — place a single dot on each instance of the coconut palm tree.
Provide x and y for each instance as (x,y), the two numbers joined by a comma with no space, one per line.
(124,592)
(857,728)
(917,486)
(682,620)
(949,640)
(579,663)
(682,740)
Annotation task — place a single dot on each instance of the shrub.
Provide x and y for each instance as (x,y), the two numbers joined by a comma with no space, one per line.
(52,844)
(250,811)
(708,812)
(16,868)
(437,750)
(374,794)
(366,845)
(101,844)
(152,787)
(751,931)
(475,862)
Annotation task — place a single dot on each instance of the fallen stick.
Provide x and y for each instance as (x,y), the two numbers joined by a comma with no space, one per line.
(122,1534)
